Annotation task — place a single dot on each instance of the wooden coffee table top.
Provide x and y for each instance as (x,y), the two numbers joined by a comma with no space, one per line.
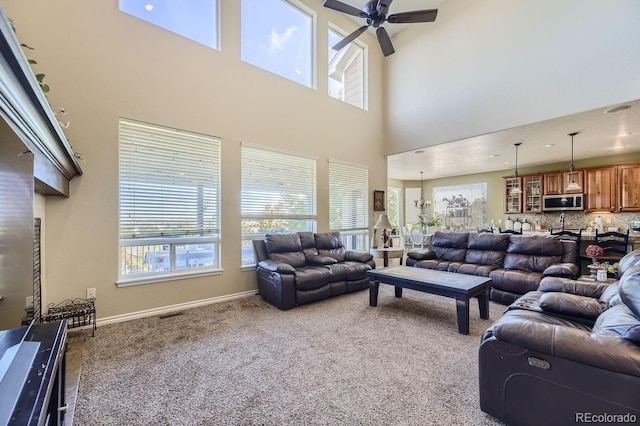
(461,283)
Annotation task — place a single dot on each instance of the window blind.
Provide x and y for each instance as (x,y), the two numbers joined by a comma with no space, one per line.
(277,184)
(348,197)
(169,182)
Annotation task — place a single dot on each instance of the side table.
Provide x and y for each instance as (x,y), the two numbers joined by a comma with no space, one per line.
(387,253)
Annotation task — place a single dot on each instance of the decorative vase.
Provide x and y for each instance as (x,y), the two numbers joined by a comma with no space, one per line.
(601,275)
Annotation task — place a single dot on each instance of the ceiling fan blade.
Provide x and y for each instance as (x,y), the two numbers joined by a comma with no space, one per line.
(415,16)
(385,42)
(344,8)
(348,39)
(383,6)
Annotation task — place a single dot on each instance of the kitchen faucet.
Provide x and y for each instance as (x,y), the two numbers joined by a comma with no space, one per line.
(562,221)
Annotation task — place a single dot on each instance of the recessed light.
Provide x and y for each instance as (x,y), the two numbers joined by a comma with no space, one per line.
(617,109)
(549,145)
(494,155)
(420,151)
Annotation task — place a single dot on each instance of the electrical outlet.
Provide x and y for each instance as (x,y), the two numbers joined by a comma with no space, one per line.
(608,221)
(29,301)
(91,293)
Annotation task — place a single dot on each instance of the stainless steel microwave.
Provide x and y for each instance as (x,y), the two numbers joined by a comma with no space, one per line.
(551,203)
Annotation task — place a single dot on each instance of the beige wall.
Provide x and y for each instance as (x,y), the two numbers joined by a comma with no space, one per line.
(490,65)
(102,64)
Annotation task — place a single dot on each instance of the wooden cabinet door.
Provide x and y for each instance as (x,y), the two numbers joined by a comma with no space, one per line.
(629,188)
(600,189)
(578,175)
(552,183)
(532,194)
(512,202)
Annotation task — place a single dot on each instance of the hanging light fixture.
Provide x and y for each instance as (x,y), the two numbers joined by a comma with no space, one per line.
(572,185)
(515,190)
(422,203)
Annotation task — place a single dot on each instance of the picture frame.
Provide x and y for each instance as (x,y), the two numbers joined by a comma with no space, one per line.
(378,201)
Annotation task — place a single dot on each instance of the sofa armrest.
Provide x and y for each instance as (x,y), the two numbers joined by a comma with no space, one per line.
(321,260)
(359,256)
(275,266)
(421,254)
(564,285)
(566,270)
(607,352)
(572,305)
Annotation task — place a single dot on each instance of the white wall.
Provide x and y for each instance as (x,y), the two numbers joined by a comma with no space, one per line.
(490,65)
(102,64)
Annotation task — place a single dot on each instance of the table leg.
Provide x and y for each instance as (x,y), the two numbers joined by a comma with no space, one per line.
(462,308)
(385,258)
(483,303)
(398,292)
(373,293)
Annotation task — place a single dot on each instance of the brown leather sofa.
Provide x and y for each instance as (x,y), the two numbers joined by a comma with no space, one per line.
(303,267)
(516,264)
(566,354)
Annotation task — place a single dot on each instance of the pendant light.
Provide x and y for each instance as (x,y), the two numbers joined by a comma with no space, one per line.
(422,203)
(515,190)
(573,186)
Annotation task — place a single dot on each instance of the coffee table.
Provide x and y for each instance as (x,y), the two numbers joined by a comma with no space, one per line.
(461,287)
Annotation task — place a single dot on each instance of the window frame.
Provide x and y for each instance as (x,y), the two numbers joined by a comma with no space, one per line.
(133,141)
(365,65)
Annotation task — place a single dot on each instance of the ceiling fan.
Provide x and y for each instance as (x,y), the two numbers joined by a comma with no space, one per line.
(375,12)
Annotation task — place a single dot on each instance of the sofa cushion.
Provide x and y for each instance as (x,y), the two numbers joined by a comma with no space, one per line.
(285,248)
(474,269)
(515,281)
(618,321)
(330,244)
(450,246)
(312,277)
(629,289)
(350,271)
(308,242)
(571,305)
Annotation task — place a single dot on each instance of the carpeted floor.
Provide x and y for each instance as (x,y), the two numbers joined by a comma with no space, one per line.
(244,362)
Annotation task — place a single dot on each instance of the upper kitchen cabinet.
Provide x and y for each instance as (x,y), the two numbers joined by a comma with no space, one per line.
(532,194)
(629,188)
(556,183)
(600,189)
(512,202)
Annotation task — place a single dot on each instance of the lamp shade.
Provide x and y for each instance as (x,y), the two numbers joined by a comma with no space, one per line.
(383,223)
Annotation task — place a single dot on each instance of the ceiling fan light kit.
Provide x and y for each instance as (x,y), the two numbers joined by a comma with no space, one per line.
(375,13)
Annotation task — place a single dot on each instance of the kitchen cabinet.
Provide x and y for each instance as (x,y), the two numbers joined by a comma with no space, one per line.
(600,189)
(512,202)
(556,183)
(629,188)
(532,194)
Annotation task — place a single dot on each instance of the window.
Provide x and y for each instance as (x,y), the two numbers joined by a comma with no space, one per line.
(347,71)
(169,202)
(197,21)
(461,206)
(393,207)
(349,204)
(278,37)
(278,195)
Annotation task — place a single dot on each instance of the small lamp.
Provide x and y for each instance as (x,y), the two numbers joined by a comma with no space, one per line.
(515,190)
(384,224)
(573,185)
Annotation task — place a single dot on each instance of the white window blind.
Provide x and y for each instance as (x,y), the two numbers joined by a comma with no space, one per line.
(169,182)
(348,197)
(277,185)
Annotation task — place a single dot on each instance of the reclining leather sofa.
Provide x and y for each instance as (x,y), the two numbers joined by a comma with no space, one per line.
(566,354)
(303,267)
(515,263)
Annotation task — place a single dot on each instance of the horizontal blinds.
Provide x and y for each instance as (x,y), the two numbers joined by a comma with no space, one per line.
(277,184)
(348,197)
(169,182)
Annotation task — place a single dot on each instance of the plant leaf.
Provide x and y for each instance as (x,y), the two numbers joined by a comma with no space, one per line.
(44,87)
(26,46)
(32,61)
(40,77)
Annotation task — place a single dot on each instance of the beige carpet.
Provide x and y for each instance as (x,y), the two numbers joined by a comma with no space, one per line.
(335,362)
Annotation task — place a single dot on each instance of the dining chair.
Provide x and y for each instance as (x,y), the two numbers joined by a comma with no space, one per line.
(417,237)
(509,231)
(573,236)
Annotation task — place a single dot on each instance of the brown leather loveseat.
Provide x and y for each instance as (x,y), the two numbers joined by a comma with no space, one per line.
(298,268)
(515,263)
(566,354)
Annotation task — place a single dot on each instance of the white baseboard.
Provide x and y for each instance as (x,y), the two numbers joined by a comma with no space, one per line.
(172,308)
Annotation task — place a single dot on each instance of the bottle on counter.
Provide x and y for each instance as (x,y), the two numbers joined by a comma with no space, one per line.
(508,224)
(599,224)
(517,226)
(538,225)
(526,226)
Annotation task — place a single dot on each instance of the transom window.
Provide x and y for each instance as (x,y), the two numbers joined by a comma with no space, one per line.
(278,195)
(196,20)
(277,35)
(349,203)
(347,71)
(169,201)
